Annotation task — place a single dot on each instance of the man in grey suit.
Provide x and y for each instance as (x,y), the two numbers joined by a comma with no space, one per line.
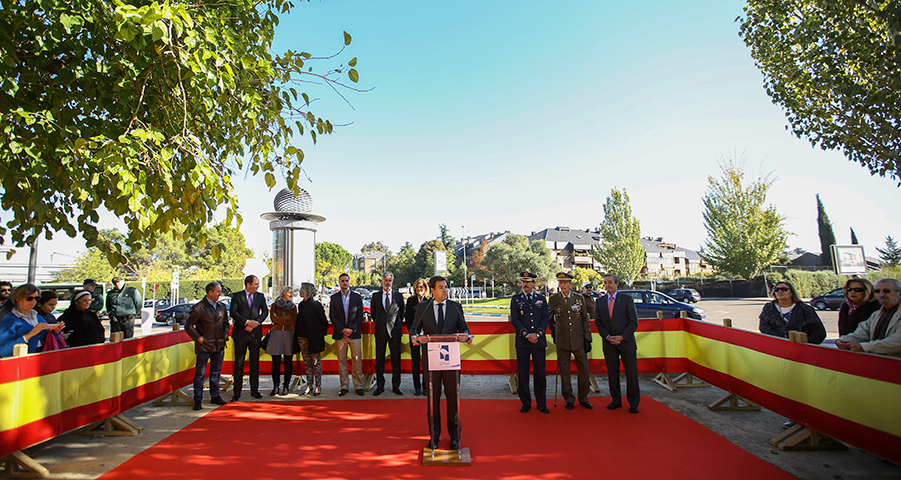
(617,320)
(345,311)
(248,310)
(387,310)
(435,317)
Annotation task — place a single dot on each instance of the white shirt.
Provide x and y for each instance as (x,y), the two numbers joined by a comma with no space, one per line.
(435,307)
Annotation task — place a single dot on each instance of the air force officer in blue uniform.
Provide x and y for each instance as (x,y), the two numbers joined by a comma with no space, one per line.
(530,317)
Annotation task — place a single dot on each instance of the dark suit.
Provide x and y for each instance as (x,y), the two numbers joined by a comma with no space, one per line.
(624,323)
(388,333)
(241,311)
(415,350)
(352,320)
(425,323)
(528,318)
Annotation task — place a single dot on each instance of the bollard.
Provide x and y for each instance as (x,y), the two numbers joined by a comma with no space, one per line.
(175,326)
(659,315)
(20,350)
(727,322)
(116,337)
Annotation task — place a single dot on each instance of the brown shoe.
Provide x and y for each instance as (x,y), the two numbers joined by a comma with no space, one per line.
(343,392)
(359,392)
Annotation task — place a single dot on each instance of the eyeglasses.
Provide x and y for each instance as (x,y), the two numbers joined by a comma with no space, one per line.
(884,290)
(856,289)
(4,290)
(33,299)
(781,289)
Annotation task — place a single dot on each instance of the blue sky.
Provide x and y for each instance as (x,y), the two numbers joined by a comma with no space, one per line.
(519,116)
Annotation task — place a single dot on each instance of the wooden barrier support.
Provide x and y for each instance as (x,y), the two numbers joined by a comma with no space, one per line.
(802,438)
(20,350)
(298,381)
(514,381)
(115,426)
(727,322)
(116,337)
(19,465)
(175,326)
(176,398)
(735,404)
(683,379)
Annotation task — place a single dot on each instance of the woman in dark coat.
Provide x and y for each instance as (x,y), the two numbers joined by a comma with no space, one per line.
(420,294)
(861,303)
(311,329)
(82,325)
(787,312)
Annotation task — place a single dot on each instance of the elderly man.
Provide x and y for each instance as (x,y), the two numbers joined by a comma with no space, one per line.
(570,327)
(881,333)
(207,325)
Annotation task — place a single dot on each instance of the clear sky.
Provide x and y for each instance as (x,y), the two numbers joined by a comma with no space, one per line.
(494,116)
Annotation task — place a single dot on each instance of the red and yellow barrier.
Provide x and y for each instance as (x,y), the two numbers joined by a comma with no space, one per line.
(846,395)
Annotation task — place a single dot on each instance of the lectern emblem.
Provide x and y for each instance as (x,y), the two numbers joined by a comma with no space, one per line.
(444,353)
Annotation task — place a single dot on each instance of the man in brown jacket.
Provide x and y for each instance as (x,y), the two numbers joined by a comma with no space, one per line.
(207,325)
(572,335)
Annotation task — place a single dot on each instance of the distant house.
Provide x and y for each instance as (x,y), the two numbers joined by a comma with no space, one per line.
(571,247)
(668,259)
(471,244)
(369,262)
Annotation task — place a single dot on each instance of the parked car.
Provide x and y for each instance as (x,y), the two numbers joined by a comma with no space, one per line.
(832,300)
(177,313)
(649,302)
(366,294)
(162,303)
(686,295)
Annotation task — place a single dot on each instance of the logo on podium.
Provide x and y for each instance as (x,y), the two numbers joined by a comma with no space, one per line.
(444,356)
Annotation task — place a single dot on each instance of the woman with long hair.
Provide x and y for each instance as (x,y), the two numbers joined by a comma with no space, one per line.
(860,303)
(23,325)
(282,313)
(420,294)
(787,312)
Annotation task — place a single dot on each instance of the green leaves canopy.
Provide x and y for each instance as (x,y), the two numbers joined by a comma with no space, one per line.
(505,260)
(620,250)
(835,67)
(145,109)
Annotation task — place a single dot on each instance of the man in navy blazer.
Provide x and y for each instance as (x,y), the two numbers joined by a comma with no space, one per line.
(617,320)
(345,311)
(387,310)
(435,317)
(248,309)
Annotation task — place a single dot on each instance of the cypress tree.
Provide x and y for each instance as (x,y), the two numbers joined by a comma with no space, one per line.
(827,236)
(853,237)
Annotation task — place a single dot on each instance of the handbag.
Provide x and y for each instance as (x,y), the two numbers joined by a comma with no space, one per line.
(52,342)
(265,342)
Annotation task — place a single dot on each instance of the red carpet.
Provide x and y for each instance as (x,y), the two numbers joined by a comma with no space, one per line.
(383,439)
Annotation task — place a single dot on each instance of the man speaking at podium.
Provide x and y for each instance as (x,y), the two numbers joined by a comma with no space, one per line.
(440,316)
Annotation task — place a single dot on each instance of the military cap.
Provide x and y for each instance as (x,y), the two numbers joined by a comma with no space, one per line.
(89,281)
(564,277)
(116,279)
(586,284)
(527,277)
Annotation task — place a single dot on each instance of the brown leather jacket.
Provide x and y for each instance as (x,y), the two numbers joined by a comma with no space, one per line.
(283,318)
(211,323)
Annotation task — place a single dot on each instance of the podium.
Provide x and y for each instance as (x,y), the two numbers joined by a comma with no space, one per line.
(443,353)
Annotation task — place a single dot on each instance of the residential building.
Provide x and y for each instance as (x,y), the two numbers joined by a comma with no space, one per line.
(369,262)
(571,247)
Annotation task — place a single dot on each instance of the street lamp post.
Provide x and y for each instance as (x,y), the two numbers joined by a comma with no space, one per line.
(463,245)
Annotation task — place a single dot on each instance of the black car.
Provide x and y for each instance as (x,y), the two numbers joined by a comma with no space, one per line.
(649,302)
(178,313)
(832,300)
(686,295)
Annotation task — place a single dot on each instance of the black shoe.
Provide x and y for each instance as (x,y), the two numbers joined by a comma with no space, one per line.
(633,409)
(197,405)
(317,391)
(359,392)
(217,401)
(256,394)
(417,392)
(378,391)
(273,393)
(235,398)
(543,410)
(455,444)
(586,404)
(307,391)
(569,406)
(525,408)
(433,444)
(788,424)
(343,392)
(398,391)
(614,406)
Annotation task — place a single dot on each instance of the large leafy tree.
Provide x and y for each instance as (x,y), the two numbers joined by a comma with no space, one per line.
(744,234)
(505,260)
(835,68)
(147,109)
(402,265)
(827,235)
(620,250)
(331,261)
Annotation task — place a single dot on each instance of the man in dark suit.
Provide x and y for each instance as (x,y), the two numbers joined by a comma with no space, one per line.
(345,311)
(248,310)
(617,320)
(530,317)
(440,316)
(387,310)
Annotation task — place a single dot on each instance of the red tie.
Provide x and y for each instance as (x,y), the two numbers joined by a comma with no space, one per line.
(610,307)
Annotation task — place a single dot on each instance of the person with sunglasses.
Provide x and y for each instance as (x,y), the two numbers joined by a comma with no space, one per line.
(787,312)
(23,325)
(881,333)
(859,305)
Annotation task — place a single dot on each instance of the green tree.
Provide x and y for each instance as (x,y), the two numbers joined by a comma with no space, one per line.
(148,110)
(620,250)
(853,237)
(91,263)
(446,238)
(376,247)
(331,261)
(833,67)
(891,254)
(505,260)
(232,251)
(744,235)
(402,265)
(582,275)
(827,236)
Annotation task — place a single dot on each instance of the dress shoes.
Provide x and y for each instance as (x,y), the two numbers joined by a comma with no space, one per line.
(525,408)
(273,393)
(543,410)
(433,444)
(378,391)
(217,401)
(343,392)
(569,406)
(417,392)
(235,398)
(455,444)
(397,391)
(256,394)
(359,391)
(614,406)
(586,404)
(197,405)
(307,391)
(317,391)
(633,409)
(284,391)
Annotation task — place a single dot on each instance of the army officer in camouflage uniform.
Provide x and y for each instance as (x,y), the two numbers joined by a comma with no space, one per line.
(529,315)
(570,327)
